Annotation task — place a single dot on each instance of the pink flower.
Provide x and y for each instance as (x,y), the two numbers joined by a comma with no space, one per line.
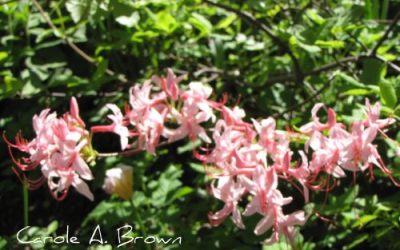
(284,224)
(373,116)
(141,101)
(189,120)
(197,92)
(151,129)
(360,150)
(65,169)
(230,192)
(301,174)
(57,148)
(316,125)
(169,85)
(326,156)
(139,98)
(268,201)
(263,186)
(266,132)
(198,95)
(74,111)
(118,126)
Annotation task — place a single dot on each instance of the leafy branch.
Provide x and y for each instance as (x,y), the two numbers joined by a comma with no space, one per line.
(299,76)
(72,45)
(387,33)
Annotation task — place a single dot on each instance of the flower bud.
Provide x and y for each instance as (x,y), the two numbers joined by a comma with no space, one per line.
(119,181)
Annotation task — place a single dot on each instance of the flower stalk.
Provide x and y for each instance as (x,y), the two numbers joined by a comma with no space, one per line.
(25,196)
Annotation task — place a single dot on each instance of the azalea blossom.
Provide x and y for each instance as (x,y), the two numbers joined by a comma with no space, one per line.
(229,192)
(373,115)
(268,202)
(248,159)
(151,130)
(57,149)
(316,124)
(169,84)
(119,125)
(119,181)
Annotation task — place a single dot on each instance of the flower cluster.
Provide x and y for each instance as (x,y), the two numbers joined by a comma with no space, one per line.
(249,159)
(57,149)
(335,149)
(246,160)
(154,104)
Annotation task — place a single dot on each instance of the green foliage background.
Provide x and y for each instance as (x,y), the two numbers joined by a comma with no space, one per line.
(274,57)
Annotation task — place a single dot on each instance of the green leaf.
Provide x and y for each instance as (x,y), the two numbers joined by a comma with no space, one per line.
(30,89)
(373,71)
(183,191)
(313,15)
(166,188)
(189,146)
(397,111)
(350,80)
(197,167)
(52,227)
(364,220)
(360,239)
(388,93)
(226,22)
(105,210)
(3,243)
(332,44)
(201,23)
(274,10)
(3,55)
(102,65)
(10,87)
(80,9)
(294,42)
(357,92)
(165,22)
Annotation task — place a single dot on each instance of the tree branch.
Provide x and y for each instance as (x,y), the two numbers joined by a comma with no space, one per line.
(386,35)
(73,46)
(316,71)
(283,45)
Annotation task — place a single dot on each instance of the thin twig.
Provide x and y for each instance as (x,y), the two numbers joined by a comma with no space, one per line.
(131,152)
(389,63)
(73,46)
(387,33)
(283,45)
(316,71)
(365,48)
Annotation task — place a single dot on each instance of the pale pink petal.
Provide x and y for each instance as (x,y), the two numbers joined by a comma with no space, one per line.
(237,218)
(82,187)
(264,224)
(81,167)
